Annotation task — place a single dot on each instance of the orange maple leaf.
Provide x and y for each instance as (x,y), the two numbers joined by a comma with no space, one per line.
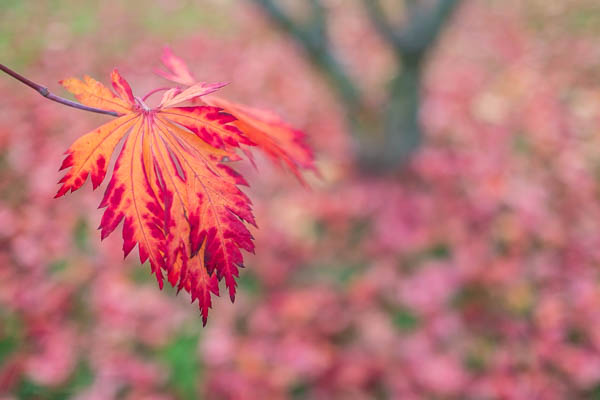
(177,199)
(264,128)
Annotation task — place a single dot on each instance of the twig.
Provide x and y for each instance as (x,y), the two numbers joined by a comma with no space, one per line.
(47,94)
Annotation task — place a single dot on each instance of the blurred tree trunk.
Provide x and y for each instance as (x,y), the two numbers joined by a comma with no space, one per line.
(385,138)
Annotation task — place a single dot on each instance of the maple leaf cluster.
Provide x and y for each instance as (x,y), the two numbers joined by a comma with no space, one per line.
(171,186)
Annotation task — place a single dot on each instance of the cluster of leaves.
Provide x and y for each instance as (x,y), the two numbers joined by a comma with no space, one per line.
(170,187)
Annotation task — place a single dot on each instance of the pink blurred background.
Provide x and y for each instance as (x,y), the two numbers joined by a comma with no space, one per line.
(470,271)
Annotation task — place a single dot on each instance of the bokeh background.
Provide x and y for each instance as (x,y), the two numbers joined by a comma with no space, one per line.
(460,263)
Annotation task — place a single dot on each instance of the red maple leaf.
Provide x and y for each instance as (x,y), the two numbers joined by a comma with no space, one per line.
(170,186)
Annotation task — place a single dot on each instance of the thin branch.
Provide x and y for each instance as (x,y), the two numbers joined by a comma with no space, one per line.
(47,94)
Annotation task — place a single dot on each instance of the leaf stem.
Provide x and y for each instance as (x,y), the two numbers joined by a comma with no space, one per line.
(47,94)
(150,93)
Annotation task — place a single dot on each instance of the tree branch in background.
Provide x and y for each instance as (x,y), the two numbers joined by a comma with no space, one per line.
(422,30)
(47,94)
(391,134)
(425,25)
(319,21)
(313,38)
(380,22)
(402,133)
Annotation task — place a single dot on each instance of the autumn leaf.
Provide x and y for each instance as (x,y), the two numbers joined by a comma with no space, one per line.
(265,129)
(178,201)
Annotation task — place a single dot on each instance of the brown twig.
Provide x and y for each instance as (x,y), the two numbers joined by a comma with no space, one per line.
(47,94)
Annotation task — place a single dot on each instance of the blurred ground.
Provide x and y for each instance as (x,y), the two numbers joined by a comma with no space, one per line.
(471,274)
